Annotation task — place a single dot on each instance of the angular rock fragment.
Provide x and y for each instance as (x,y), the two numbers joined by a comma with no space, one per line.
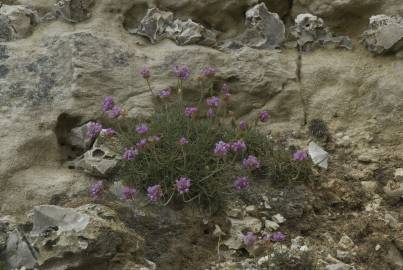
(157,25)
(385,34)
(74,11)
(188,32)
(100,160)
(16,22)
(310,32)
(154,24)
(264,30)
(318,155)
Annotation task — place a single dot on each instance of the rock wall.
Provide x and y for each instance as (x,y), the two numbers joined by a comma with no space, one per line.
(55,76)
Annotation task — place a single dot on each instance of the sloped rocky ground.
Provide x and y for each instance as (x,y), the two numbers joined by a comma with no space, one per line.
(59,59)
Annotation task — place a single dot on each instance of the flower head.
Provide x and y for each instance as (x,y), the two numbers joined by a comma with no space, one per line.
(109,132)
(165,93)
(222,148)
(251,163)
(277,237)
(213,101)
(142,129)
(145,73)
(264,116)
(108,104)
(154,193)
(183,185)
(191,111)
(210,113)
(141,144)
(182,73)
(115,112)
(238,146)
(128,193)
(96,189)
(300,155)
(130,154)
(249,238)
(241,182)
(243,125)
(93,129)
(209,71)
(183,141)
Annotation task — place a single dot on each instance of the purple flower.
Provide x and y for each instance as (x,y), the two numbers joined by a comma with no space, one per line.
(109,132)
(191,111)
(96,189)
(165,93)
(249,238)
(154,139)
(183,185)
(93,129)
(145,73)
(142,129)
(264,116)
(108,104)
(130,154)
(182,73)
(183,141)
(209,71)
(277,237)
(243,125)
(128,193)
(251,163)
(300,155)
(115,112)
(222,148)
(141,144)
(238,146)
(210,113)
(241,182)
(213,101)
(154,193)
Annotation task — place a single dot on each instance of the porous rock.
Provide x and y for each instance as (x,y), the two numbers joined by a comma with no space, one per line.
(385,34)
(75,11)
(16,22)
(311,32)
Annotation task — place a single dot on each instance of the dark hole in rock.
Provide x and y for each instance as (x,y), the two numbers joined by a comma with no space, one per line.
(134,15)
(65,123)
(98,153)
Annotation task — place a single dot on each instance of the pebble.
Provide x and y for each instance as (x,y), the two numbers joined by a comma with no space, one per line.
(278,218)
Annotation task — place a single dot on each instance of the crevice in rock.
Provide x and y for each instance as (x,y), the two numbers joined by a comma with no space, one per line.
(65,123)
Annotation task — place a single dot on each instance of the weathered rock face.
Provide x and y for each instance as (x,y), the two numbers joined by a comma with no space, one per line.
(263,28)
(16,22)
(74,11)
(310,32)
(385,34)
(66,238)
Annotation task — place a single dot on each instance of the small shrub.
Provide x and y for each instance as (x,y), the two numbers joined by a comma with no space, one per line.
(318,129)
(189,152)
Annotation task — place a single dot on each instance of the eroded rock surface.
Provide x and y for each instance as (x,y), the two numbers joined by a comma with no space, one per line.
(385,34)
(16,22)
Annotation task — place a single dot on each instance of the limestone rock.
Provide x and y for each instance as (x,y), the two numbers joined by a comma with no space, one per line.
(69,238)
(75,11)
(157,25)
(238,227)
(154,24)
(346,243)
(318,155)
(338,266)
(278,218)
(263,28)
(100,160)
(19,252)
(394,190)
(16,22)
(385,34)
(399,174)
(77,138)
(311,32)
(271,225)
